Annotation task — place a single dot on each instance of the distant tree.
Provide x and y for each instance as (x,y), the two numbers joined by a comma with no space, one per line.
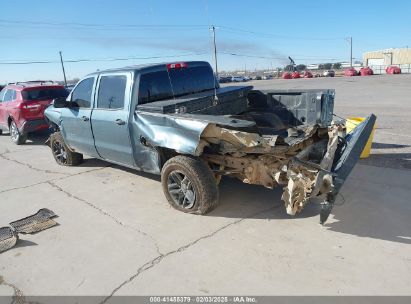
(301,67)
(337,66)
(289,68)
(326,66)
(73,81)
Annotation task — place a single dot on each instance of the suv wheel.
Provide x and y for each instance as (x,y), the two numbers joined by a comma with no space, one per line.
(62,154)
(15,134)
(189,185)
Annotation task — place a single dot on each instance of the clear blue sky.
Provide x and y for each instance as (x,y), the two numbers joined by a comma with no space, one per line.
(309,31)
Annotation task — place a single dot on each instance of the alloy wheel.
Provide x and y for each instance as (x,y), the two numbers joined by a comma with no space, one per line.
(181,189)
(59,152)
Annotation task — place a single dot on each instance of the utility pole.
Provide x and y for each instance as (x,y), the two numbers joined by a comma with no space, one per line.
(351,51)
(62,66)
(215,52)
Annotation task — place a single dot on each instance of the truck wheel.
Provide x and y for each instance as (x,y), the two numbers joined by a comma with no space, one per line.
(62,153)
(189,185)
(15,134)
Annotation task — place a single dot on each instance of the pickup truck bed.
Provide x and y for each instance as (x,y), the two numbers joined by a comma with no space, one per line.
(231,101)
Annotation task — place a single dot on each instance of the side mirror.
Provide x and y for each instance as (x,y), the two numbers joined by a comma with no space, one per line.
(61,103)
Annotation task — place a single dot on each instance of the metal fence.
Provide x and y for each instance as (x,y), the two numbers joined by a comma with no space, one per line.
(380,69)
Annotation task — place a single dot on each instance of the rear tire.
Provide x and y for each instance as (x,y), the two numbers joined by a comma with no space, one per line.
(189,185)
(15,134)
(61,152)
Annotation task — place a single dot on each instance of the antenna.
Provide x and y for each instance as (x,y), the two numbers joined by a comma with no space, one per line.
(213,28)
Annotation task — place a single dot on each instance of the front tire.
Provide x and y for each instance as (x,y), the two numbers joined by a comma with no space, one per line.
(61,152)
(15,134)
(189,185)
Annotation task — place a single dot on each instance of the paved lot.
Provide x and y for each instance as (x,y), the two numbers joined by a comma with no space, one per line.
(117,235)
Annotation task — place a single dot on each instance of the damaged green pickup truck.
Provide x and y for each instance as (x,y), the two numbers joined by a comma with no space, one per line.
(174,120)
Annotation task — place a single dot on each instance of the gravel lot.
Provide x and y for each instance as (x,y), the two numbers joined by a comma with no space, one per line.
(117,234)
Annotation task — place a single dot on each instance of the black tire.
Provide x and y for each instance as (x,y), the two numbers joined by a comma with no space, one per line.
(61,153)
(1,131)
(189,185)
(15,134)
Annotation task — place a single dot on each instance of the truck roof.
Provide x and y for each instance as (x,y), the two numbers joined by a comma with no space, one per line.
(149,67)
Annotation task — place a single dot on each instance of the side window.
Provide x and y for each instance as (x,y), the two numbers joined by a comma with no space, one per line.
(111,92)
(82,93)
(154,86)
(9,95)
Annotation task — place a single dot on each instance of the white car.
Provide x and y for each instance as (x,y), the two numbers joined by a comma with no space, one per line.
(238,79)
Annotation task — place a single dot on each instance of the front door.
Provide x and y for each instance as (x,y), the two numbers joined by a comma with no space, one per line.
(76,124)
(110,118)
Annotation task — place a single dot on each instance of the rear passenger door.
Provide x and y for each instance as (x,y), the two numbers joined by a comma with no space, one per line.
(110,118)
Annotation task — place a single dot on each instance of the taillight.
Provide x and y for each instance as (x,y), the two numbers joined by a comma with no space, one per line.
(31,106)
(179,65)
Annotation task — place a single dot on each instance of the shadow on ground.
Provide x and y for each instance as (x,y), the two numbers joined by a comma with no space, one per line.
(376,145)
(388,160)
(378,218)
(37,138)
(362,210)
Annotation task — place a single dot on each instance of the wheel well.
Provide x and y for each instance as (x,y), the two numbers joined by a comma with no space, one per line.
(165,154)
(9,120)
(55,126)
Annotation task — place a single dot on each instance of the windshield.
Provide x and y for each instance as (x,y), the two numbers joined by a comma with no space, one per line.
(42,94)
(162,85)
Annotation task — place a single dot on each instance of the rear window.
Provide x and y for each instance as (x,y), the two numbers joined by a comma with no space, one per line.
(42,94)
(175,82)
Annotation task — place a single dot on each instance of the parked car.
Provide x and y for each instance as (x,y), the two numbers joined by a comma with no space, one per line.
(238,79)
(329,73)
(308,74)
(258,78)
(350,72)
(174,120)
(69,87)
(287,75)
(392,69)
(295,75)
(366,71)
(22,106)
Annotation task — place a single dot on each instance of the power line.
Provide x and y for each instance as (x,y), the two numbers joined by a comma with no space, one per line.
(103,25)
(98,59)
(97,26)
(269,35)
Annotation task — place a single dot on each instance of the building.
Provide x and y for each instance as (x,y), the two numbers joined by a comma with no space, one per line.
(387,57)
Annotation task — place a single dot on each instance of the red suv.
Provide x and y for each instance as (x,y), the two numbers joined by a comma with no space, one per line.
(22,106)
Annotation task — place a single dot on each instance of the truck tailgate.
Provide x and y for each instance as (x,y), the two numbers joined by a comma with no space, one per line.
(350,150)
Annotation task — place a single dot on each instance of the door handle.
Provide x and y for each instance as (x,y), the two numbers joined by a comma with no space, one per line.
(85,118)
(120,122)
